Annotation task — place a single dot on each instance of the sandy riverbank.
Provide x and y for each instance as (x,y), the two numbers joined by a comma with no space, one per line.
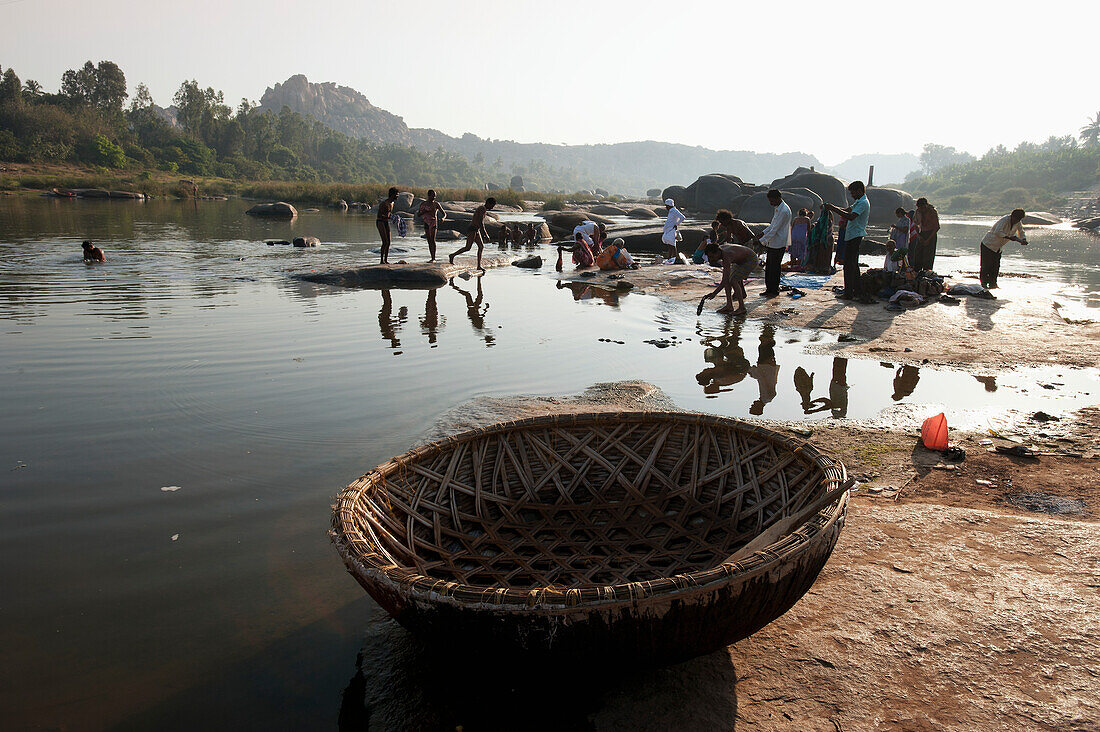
(1025,325)
(952,607)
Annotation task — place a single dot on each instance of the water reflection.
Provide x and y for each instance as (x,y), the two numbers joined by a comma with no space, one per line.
(905,382)
(728,363)
(804,385)
(766,370)
(431,323)
(838,388)
(389,325)
(989,382)
(475,310)
(585,291)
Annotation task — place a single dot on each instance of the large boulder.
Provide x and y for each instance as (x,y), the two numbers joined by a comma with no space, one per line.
(653,192)
(680,195)
(516,184)
(277,210)
(642,213)
(713,192)
(831,189)
(602,192)
(561,223)
(884,201)
(1041,218)
(605,209)
(404,202)
(532,262)
(738,202)
(131,195)
(757,209)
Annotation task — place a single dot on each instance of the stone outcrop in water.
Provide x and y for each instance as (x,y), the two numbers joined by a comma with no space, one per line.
(830,188)
(884,201)
(279,210)
(307,241)
(715,191)
(757,209)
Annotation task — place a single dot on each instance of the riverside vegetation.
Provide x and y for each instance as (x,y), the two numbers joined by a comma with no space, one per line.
(86,135)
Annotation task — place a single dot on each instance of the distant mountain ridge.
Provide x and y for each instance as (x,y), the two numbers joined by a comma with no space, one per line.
(626,167)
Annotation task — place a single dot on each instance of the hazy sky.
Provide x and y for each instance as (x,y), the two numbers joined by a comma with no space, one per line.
(828,78)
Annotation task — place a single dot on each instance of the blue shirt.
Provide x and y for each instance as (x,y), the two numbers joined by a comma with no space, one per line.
(857,227)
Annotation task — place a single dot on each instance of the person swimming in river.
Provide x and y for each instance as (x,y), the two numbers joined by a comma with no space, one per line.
(476,232)
(385,209)
(92,253)
(737,264)
(430,212)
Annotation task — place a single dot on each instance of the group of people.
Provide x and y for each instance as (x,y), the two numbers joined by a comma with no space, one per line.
(517,235)
(591,249)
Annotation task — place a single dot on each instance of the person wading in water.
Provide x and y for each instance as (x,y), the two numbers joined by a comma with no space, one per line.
(477,232)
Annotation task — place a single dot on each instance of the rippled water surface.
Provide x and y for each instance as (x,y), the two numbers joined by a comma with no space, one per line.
(177,420)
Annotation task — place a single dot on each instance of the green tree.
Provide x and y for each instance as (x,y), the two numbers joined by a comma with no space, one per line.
(10,88)
(32,89)
(937,157)
(1090,133)
(101,151)
(109,90)
(78,85)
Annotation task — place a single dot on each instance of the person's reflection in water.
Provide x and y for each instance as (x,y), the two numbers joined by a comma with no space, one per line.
(804,385)
(431,323)
(583,291)
(989,382)
(728,358)
(387,323)
(905,381)
(476,311)
(838,388)
(766,370)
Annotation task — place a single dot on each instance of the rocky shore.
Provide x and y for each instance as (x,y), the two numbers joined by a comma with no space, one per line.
(948,603)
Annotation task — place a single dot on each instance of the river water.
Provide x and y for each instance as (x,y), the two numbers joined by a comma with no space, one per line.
(177,420)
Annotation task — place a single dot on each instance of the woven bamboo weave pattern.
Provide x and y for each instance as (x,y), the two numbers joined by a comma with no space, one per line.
(579,502)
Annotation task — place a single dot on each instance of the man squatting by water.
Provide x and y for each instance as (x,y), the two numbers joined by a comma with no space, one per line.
(737,264)
(477,232)
(385,209)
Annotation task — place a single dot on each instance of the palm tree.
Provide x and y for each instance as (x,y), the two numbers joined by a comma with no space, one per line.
(1090,133)
(32,88)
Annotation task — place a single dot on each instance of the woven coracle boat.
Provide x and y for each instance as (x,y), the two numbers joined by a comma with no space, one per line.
(633,536)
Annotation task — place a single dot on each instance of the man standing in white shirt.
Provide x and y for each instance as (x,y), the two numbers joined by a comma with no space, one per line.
(1006,229)
(675,218)
(776,238)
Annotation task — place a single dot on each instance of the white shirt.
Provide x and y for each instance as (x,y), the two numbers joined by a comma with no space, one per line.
(998,235)
(587,229)
(675,218)
(778,233)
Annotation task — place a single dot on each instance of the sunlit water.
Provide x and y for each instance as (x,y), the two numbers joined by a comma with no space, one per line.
(177,420)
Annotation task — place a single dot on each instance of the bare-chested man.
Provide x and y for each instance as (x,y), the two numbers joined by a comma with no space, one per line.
(431,213)
(737,263)
(385,209)
(92,253)
(477,232)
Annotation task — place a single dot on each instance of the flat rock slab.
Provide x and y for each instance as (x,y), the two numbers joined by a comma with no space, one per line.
(411,276)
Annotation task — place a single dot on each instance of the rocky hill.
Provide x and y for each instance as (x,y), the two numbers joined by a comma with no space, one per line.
(342,108)
(628,167)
